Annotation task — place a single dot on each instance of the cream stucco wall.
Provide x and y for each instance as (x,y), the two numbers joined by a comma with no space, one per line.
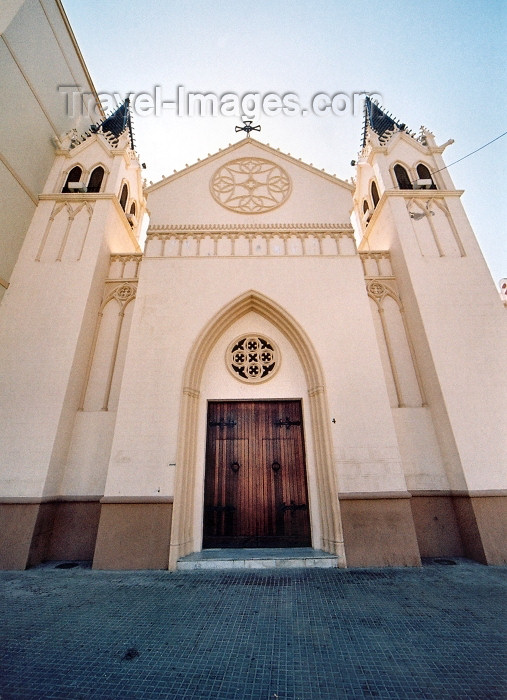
(167,320)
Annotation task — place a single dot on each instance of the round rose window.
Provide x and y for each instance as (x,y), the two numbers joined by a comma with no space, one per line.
(252,358)
(250,185)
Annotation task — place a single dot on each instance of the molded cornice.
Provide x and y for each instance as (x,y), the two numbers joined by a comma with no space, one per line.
(250,228)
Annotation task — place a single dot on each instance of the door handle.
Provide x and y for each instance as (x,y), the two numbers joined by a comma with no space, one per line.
(235,467)
(276,466)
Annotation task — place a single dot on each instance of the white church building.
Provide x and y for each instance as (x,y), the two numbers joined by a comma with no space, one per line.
(264,374)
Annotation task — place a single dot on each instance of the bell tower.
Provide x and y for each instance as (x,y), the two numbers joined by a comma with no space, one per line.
(91,207)
(405,203)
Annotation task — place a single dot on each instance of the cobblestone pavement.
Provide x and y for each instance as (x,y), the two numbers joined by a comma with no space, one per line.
(433,632)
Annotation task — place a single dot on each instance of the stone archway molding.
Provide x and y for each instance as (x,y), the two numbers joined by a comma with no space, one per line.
(183,536)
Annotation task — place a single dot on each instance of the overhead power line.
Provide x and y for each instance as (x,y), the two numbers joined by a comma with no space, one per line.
(471,154)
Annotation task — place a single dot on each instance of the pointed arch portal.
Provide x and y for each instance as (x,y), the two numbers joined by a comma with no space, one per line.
(183,531)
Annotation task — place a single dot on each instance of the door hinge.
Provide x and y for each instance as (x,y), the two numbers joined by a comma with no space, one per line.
(293,507)
(287,422)
(222,423)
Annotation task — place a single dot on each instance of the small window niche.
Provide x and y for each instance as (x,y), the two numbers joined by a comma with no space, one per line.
(374,194)
(96,178)
(424,180)
(366,212)
(402,177)
(131,216)
(73,183)
(124,196)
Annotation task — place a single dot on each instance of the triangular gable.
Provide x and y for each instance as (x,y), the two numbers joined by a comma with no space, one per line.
(236,146)
(98,138)
(249,182)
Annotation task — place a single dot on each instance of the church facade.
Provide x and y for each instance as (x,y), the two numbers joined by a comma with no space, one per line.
(264,374)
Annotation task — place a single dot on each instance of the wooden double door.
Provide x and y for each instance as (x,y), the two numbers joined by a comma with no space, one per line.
(255,492)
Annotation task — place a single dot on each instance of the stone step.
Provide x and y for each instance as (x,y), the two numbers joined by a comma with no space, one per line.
(300,557)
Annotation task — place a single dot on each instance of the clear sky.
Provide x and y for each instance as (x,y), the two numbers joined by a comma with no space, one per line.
(441,63)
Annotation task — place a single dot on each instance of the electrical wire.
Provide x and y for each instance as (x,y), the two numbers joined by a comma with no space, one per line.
(470,154)
(463,158)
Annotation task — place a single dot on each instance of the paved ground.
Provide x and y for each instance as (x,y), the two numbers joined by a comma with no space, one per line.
(435,632)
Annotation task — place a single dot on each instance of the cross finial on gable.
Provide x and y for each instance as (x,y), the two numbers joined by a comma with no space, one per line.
(248,127)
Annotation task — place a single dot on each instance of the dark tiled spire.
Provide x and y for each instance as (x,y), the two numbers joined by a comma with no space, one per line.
(116,123)
(379,121)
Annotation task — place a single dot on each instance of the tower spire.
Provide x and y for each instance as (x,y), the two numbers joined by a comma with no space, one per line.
(117,122)
(379,121)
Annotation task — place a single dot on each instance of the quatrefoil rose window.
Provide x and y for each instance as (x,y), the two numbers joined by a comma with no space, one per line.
(252,358)
(250,185)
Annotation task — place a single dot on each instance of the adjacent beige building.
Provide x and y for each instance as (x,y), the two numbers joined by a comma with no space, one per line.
(44,79)
(264,374)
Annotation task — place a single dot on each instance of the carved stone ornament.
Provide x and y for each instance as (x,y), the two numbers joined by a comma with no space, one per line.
(250,185)
(376,288)
(124,292)
(252,358)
